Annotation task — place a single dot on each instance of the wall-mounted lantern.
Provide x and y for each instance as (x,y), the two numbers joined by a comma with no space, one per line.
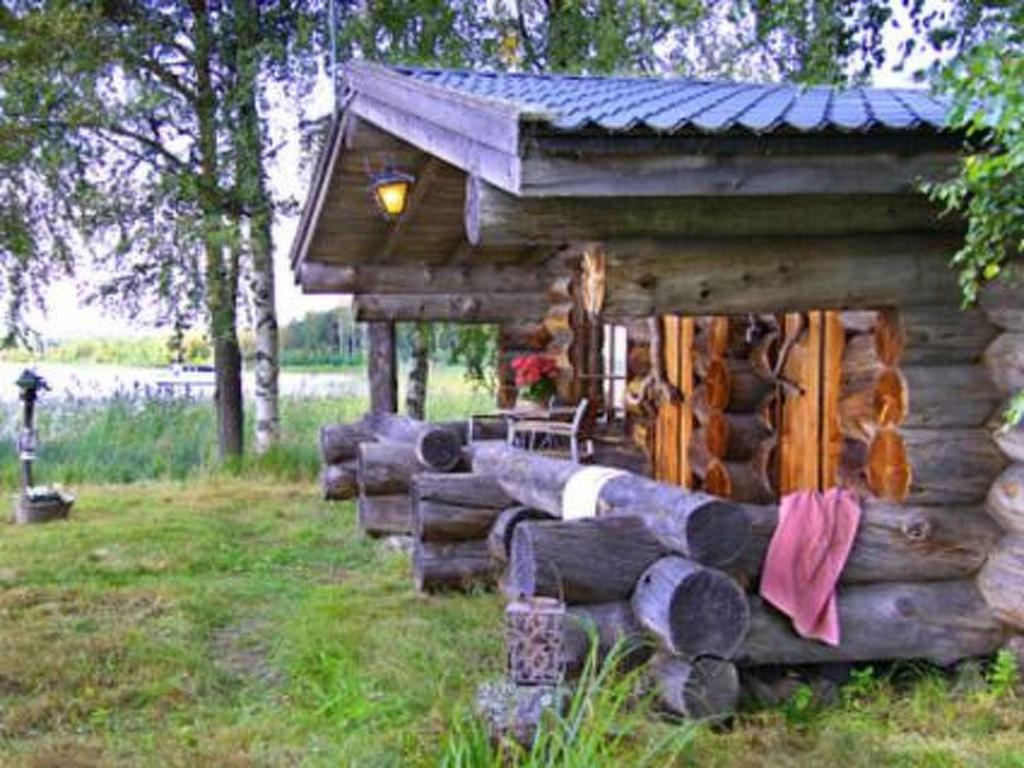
(391,192)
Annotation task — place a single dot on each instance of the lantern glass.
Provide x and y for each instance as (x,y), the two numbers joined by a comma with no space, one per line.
(391,192)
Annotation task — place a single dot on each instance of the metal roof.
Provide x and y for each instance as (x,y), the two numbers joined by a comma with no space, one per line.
(680,105)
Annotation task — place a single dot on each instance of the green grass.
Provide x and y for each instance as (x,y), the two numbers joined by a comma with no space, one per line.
(230,618)
(236,622)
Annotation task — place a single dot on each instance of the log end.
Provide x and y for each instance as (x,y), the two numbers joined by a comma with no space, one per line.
(439,449)
(705,689)
(709,616)
(717,533)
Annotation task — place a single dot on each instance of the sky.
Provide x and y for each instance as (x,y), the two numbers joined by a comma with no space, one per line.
(70,317)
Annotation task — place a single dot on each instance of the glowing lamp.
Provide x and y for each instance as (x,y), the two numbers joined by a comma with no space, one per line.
(391,192)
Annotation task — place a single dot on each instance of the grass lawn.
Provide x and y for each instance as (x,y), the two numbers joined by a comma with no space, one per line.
(233,622)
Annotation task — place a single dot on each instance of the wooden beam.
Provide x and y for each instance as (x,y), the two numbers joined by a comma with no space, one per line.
(735,275)
(318,186)
(488,121)
(382,367)
(494,218)
(729,175)
(463,308)
(422,279)
(463,151)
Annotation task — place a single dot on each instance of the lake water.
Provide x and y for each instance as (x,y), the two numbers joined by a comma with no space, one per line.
(100,382)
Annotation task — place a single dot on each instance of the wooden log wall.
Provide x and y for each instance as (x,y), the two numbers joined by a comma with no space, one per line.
(1001,581)
(893,404)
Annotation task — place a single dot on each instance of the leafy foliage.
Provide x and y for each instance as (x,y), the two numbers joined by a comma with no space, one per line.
(987,86)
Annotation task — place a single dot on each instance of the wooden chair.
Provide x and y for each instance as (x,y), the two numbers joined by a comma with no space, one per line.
(550,430)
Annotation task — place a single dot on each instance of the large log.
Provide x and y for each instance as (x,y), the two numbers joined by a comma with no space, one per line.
(422,279)
(738,275)
(745,481)
(438,446)
(339,481)
(499,539)
(942,621)
(453,307)
(1001,581)
(598,629)
(387,468)
(1005,501)
(949,396)
(703,689)
(340,442)
(933,466)
(494,218)
(462,565)
(690,609)
(937,336)
(897,543)
(595,560)
(746,388)
(382,367)
(707,529)
(462,488)
(438,521)
(385,515)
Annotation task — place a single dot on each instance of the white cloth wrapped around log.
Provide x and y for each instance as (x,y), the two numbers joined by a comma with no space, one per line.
(583,489)
(705,528)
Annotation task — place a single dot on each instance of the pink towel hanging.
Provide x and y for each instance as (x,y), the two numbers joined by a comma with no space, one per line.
(805,559)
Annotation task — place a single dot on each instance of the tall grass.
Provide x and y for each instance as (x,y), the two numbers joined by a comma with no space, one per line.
(130,437)
(608,721)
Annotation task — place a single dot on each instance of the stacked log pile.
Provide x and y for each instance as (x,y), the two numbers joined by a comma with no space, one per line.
(376,459)
(732,446)
(676,572)
(453,516)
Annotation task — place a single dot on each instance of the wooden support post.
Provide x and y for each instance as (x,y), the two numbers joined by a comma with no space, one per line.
(383,367)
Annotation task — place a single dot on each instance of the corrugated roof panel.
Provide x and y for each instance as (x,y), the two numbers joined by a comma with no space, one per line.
(571,103)
(768,113)
(681,115)
(887,110)
(638,106)
(848,111)
(604,106)
(809,110)
(725,113)
(928,109)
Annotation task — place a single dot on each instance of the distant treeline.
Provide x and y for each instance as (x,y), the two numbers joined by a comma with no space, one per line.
(318,339)
(333,338)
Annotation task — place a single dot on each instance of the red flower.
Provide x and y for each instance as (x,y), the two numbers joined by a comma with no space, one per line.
(533,370)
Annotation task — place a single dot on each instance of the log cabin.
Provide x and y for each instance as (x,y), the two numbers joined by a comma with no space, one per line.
(783,290)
